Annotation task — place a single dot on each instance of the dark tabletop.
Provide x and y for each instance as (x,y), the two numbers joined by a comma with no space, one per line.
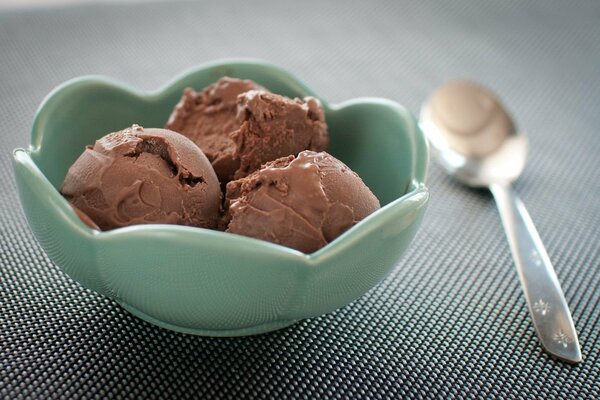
(450,320)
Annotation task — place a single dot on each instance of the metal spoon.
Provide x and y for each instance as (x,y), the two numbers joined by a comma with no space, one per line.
(476,141)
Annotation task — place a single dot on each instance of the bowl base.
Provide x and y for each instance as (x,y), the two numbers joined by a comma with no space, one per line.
(245,331)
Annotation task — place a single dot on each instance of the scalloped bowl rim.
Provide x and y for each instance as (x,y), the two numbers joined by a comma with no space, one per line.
(416,189)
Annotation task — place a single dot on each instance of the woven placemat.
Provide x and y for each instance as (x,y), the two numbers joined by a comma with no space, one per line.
(450,321)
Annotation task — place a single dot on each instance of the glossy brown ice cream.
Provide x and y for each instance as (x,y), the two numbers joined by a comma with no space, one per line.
(273,126)
(302,202)
(85,218)
(208,117)
(240,125)
(144,176)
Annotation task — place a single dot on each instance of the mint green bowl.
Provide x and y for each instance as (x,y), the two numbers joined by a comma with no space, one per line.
(212,283)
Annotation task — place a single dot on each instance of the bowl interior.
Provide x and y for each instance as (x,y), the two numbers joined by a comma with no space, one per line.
(363,134)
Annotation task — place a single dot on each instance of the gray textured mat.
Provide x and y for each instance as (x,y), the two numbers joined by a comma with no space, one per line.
(450,321)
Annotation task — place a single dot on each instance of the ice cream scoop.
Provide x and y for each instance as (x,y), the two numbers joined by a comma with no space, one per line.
(273,126)
(240,125)
(144,176)
(85,218)
(208,117)
(302,202)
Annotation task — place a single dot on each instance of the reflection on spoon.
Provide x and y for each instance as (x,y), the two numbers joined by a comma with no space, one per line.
(478,122)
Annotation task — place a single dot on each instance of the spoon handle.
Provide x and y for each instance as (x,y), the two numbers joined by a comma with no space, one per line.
(546,301)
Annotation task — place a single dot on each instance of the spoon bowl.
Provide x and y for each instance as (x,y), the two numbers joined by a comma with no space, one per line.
(473,136)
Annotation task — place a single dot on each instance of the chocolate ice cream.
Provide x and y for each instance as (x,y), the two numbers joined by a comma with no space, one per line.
(208,117)
(85,218)
(302,202)
(240,125)
(273,126)
(144,176)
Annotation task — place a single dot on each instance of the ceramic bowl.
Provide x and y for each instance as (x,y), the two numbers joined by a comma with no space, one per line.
(212,283)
